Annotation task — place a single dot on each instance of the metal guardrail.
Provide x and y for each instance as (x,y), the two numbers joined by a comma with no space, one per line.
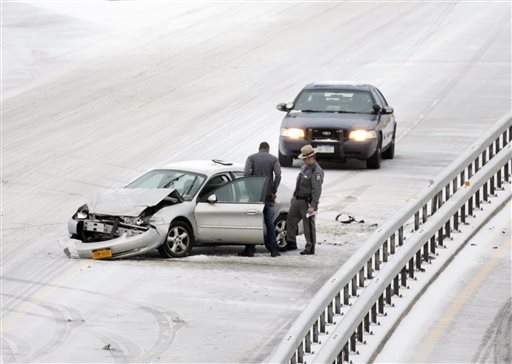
(438,212)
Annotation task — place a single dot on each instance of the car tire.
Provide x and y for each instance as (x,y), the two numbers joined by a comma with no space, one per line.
(285,161)
(389,153)
(280,229)
(178,242)
(374,161)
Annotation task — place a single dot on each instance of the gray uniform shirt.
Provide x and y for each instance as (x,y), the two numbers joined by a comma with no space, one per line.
(309,184)
(264,164)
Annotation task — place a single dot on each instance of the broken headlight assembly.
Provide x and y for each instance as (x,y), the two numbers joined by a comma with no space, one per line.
(82,213)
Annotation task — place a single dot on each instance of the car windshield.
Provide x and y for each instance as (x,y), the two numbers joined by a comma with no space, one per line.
(186,183)
(340,101)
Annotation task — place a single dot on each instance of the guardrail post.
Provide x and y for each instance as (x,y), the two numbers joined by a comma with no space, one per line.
(361,277)
(486,192)
(416,220)
(491,148)
(307,347)
(499,179)
(456,220)
(369,268)
(440,199)
(377,259)
(470,206)
(477,164)
(497,145)
(346,295)
(374,313)
(392,242)
(448,230)
(455,185)
(300,353)
(477,198)
(367,322)
(411,268)
(418,259)
(353,342)
(507,173)
(433,206)
(462,215)
(330,313)
(388,294)
(492,185)
(360,332)
(425,252)
(337,303)
(403,275)
(424,214)
(385,251)
(484,157)
(322,322)
(381,304)
(396,284)
(346,352)
(447,190)
(354,285)
(401,236)
(433,244)
(440,237)
(470,171)
(316,332)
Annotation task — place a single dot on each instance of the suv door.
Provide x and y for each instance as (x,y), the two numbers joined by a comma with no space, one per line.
(237,214)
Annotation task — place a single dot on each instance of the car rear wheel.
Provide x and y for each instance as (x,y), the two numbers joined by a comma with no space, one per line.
(280,228)
(285,161)
(178,242)
(374,161)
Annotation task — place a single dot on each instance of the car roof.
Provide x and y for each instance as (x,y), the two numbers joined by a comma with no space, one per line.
(342,85)
(207,167)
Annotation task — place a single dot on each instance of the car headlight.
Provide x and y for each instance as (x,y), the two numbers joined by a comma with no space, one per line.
(293,133)
(82,213)
(362,135)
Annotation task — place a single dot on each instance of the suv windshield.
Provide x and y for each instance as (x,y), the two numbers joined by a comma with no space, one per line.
(186,183)
(343,101)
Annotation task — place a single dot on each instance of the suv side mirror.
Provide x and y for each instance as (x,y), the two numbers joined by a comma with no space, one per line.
(212,198)
(387,110)
(376,108)
(284,107)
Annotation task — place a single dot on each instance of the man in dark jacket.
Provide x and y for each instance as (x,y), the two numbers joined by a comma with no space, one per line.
(264,164)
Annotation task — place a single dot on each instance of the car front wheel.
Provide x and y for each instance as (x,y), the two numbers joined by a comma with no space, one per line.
(178,242)
(374,161)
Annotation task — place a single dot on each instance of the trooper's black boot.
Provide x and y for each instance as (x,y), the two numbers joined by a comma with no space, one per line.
(291,245)
(275,253)
(307,252)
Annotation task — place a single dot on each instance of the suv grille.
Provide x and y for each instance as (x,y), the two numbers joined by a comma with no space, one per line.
(323,134)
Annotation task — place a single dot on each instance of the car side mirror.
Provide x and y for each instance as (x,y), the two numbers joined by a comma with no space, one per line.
(387,110)
(376,108)
(284,107)
(212,198)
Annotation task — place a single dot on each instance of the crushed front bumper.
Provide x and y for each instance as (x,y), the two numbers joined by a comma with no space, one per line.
(120,247)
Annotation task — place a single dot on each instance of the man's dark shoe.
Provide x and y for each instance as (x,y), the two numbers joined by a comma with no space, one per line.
(275,253)
(306,252)
(245,253)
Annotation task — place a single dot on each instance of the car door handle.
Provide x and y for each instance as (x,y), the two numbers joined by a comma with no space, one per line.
(252,212)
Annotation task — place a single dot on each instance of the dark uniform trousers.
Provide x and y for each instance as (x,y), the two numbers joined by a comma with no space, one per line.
(307,194)
(298,210)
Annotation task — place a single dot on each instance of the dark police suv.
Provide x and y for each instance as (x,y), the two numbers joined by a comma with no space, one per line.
(341,121)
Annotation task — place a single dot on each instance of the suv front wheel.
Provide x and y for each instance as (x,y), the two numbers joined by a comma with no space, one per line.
(374,161)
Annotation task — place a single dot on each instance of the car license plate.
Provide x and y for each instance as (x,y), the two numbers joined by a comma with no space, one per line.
(97,226)
(101,253)
(325,148)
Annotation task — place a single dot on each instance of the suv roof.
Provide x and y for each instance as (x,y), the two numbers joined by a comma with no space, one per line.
(345,85)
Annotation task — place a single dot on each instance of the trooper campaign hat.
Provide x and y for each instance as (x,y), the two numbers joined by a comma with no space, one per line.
(307,151)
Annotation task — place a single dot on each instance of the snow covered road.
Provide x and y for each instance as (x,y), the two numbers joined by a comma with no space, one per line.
(96,92)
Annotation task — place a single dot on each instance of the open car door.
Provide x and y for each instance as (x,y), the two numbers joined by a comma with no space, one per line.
(232,213)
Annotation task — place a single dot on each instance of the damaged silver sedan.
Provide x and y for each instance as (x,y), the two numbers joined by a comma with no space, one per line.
(175,208)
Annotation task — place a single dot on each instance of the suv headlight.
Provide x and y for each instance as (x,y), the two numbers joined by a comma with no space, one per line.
(293,133)
(362,135)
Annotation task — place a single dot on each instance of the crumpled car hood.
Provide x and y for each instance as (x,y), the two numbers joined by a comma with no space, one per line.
(127,201)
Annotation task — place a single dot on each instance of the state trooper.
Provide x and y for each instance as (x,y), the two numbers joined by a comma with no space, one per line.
(304,203)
